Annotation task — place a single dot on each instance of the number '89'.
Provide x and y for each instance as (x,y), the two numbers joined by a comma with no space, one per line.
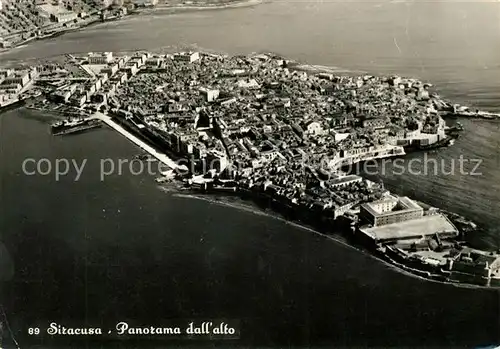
(33,330)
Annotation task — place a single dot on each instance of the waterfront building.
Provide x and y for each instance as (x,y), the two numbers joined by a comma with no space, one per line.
(390,210)
(216,160)
(425,227)
(5,73)
(100,57)
(18,77)
(340,210)
(63,16)
(474,265)
(11,88)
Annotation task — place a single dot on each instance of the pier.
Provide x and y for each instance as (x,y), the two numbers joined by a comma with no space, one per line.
(158,155)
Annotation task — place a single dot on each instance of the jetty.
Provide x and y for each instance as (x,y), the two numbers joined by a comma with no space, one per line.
(163,158)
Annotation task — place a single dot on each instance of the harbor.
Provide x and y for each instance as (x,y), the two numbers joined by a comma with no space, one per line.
(66,127)
(163,158)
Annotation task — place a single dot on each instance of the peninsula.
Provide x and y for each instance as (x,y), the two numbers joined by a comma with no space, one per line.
(262,128)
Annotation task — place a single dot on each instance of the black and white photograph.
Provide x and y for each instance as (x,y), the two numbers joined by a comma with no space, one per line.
(249,174)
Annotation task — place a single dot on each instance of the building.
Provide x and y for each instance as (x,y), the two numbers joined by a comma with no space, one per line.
(249,83)
(475,266)
(11,88)
(374,123)
(314,128)
(175,108)
(215,160)
(99,98)
(344,180)
(353,155)
(100,57)
(339,210)
(130,70)
(18,77)
(78,99)
(5,73)
(390,210)
(63,16)
(412,229)
(64,94)
(111,70)
(104,3)
(189,57)
(154,62)
(103,77)
(210,95)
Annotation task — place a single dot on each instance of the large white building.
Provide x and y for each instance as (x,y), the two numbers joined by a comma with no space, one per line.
(390,210)
(100,57)
(394,219)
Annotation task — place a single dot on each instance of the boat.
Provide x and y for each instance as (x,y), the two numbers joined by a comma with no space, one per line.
(454,131)
(74,125)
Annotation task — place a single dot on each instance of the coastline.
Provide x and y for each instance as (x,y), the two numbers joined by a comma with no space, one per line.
(186,8)
(248,207)
(159,9)
(247,203)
